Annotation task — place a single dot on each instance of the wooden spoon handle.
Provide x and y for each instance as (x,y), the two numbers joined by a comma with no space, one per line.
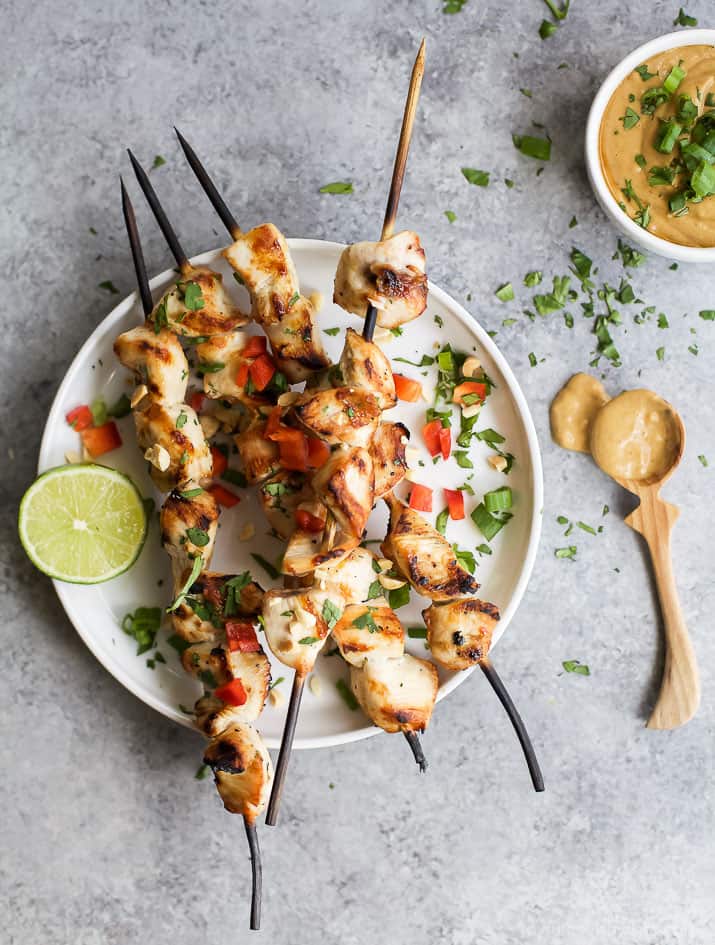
(679,695)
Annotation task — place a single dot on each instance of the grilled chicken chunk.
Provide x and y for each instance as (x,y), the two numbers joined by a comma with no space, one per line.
(348,579)
(387,448)
(364,631)
(174,443)
(389,275)
(215,666)
(346,484)
(423,556)
(198,305)
(188,529)
(158,361)
(223,355)
(364,366)
(200,616)
(460,632)
(262,260)
(280,496)
(398,695)
(343,415)
(307,551)
(297,623)
(242,770)
(259,455)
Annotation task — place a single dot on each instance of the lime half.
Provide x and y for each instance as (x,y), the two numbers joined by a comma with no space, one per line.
(82,523)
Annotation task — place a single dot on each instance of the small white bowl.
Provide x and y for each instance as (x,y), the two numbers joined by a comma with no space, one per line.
(622,221)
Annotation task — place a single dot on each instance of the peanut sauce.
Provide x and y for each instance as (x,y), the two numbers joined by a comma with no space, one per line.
(635,435)
(618,145)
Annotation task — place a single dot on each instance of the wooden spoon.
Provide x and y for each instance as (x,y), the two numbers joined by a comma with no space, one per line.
(654,518)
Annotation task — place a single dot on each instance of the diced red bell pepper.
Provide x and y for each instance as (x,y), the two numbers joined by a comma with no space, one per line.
(455,503)
(431,433)
(421,498)
(254,347)
(308,522)
(261,371)
(242,374)
(219,462)
(240,635)
(318,452)
(196,401)
(469,387)
(223,496)
(407,389)
(273,423)
(100,440)
(80,418)
(445,442)
(293,448)
(232,693)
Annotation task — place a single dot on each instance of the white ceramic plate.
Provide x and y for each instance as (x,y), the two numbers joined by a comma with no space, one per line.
(97,611)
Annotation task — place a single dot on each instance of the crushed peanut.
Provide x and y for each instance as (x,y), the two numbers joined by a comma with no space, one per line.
(316,300)
(497,461)
(316,685)
(158,457)
(247,532)
(390,583)
(471,411)
(72,457)
(138,395)
(471,366)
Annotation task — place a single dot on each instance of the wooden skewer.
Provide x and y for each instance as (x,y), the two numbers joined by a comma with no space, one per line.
(182,260)
(147,305)
(500,689)
(398,171)
(135,245)
(256,873)
(209,188)
(286,748)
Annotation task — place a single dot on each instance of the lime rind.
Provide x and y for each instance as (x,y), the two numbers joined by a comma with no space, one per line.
(83,523)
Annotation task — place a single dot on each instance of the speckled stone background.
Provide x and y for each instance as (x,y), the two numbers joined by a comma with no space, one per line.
(106,836)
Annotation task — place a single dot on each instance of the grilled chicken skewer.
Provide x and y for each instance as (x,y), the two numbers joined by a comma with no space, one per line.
(389,274)
(224,652)
(459,629)
(262,261)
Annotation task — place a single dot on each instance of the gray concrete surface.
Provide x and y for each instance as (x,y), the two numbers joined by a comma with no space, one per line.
(106,836)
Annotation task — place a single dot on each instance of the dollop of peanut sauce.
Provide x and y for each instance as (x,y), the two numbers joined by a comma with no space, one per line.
(634,436)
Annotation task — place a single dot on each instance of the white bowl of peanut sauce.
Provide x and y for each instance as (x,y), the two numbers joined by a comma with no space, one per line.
(644,146)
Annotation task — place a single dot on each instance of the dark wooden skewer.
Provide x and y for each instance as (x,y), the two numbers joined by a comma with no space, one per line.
(135,245)
(182,260)
(500,689)
(398,171)
(147,305)
(209,188)
(256,873)
(286,748)
(413,740)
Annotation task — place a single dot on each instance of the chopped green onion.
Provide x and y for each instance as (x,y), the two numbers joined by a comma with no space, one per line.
(417,633)
(498,500)
(673,79)
(667,136)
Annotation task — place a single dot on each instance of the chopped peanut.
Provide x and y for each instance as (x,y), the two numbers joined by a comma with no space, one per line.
(158,457)
(497,461)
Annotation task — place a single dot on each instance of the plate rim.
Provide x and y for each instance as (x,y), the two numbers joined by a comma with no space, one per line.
(473,326)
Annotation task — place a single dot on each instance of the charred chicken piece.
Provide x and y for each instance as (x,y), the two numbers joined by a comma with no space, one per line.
(280,496)
(399,694)
(263,262)
(460,632)
(364,366)
(157,360)
(387,448)
(342,415)
(370,632)
(348,579)
(242,770)
(297,623)
(188,529)
(174,444)
(423,556)
(389,275)
(346,484)
(197,305)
